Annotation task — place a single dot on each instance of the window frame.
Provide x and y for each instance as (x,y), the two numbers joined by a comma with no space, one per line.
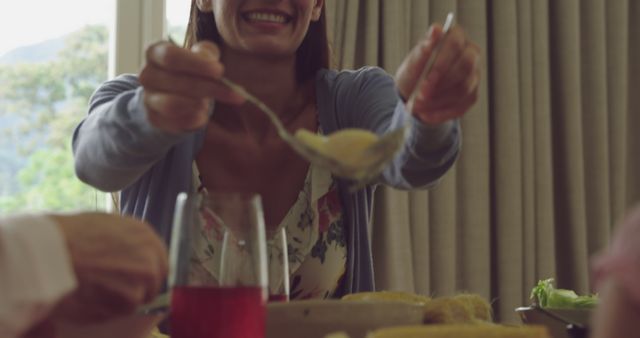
(138,23)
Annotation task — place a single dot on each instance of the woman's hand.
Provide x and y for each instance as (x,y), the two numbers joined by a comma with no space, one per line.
(179,85)
(451,88)
(119,262)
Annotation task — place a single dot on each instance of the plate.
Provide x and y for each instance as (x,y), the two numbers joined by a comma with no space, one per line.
(315,318)
(134,326)
(295,319)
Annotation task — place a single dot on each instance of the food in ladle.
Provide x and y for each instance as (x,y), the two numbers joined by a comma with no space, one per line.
(347,146)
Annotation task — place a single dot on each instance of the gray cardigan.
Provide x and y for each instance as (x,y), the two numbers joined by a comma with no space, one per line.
(116,149)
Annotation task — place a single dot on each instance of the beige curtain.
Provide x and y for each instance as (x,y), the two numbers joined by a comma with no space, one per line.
(548,162)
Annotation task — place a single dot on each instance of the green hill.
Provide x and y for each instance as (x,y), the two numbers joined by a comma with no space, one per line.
(39,52)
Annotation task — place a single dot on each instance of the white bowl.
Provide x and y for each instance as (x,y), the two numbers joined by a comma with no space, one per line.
(315,319)
(134,326)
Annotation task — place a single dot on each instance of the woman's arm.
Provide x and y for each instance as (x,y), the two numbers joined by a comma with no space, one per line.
(133,121)
(115,144)
(368,98)
(429,152)
(380,103)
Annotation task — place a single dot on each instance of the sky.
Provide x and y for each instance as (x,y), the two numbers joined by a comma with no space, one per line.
(23,23)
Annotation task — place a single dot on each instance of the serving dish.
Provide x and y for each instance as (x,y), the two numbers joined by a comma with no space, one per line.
(561,323)
(317,318)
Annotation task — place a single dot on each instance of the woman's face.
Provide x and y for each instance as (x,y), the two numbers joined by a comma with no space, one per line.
(269,27)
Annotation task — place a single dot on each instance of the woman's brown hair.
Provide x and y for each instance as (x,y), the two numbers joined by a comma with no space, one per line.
(312,55)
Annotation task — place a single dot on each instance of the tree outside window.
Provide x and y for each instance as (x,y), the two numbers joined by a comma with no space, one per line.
(44,91)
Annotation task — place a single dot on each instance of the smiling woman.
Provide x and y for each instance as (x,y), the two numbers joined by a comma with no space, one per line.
(175,127)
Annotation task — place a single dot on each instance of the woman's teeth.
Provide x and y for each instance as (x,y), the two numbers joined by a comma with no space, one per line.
(268,17)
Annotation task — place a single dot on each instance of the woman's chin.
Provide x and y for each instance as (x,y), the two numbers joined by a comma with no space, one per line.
(271,49)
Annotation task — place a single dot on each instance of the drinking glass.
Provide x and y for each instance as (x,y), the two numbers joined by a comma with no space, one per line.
(278,258)
(218,266)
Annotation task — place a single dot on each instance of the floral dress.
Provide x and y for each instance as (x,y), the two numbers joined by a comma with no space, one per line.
(316,242)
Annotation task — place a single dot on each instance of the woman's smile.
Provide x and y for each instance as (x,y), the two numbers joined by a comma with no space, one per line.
(261,27)
(267,16)
(267,19)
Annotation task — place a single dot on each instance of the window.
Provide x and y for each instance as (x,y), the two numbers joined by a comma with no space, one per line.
(177,19)
(50,63)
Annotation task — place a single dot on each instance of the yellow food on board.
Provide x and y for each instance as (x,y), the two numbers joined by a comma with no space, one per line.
(346,146)
(464,308)
(448,310)
(390,296)
(481,309)
(461,331)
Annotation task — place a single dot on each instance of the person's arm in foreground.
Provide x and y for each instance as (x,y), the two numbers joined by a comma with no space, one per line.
(35,272)
(617,277)
(82,268)
(617,315)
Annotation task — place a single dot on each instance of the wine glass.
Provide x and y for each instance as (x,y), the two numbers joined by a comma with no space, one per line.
(278,258)
(219,266)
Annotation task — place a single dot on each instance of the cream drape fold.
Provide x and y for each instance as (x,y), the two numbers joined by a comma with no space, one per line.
(549,152)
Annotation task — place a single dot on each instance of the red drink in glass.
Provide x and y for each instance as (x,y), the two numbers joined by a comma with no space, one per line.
(278,298)
(217,312)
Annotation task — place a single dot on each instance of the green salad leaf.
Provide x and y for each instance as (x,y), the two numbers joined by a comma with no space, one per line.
(545,295)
